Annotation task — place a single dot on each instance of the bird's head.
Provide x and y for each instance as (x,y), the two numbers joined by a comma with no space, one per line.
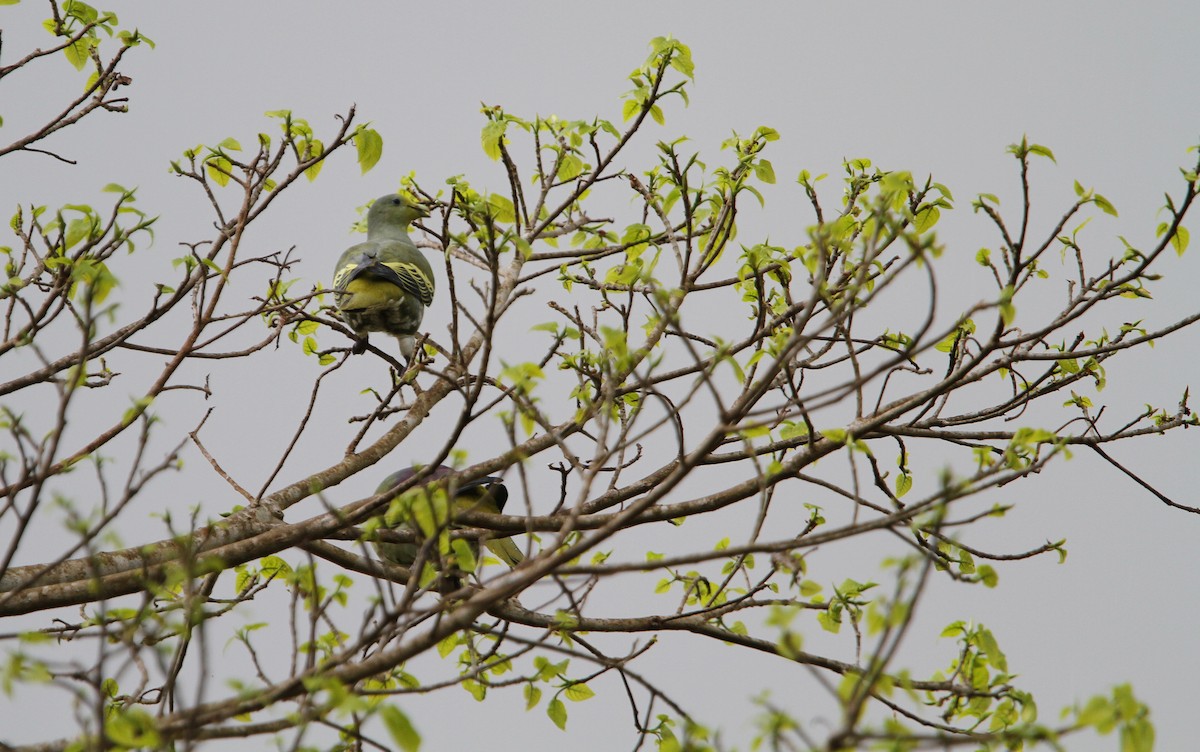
(394,210)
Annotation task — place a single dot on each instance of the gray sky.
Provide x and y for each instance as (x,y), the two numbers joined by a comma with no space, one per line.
(936,88)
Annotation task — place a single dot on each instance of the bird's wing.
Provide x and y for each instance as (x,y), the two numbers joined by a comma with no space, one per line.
(394,262)
(410,278)
(348,262)
(412,272)
(396,479)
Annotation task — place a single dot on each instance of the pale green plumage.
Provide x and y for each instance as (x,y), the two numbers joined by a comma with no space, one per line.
(385,283)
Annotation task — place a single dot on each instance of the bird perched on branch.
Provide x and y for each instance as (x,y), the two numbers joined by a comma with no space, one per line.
(384,283)
(431,516)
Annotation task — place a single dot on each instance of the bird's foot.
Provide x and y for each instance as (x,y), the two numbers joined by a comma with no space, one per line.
(360,346)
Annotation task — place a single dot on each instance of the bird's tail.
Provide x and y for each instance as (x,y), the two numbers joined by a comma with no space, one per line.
(408,344)
(506,550)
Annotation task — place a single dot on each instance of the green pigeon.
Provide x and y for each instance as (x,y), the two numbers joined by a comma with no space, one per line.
(384,283)
(480,495)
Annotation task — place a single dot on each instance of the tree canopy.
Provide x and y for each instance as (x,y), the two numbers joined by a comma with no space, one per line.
(693,422)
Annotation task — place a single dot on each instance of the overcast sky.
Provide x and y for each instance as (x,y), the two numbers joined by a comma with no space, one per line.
(936,88)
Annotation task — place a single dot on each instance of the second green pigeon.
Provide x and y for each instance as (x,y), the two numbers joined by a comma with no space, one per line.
(385,283)
(480,495)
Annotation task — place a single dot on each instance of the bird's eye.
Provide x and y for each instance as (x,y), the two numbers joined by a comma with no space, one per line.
(396,202)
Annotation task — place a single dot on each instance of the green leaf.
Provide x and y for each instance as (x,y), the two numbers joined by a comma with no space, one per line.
(476,690)
(77,230)
(681,60)
(463,554)
(132,728)
(1042,151)
(401,729)
(991,648)
(764,171)
(558,713)
(313,149)
(218,169)
(1068,365)
(903,485)
(836,435)
(1137,736)
(370,148)
(81,10)
(1179,241)
(95,274)
(533,695)
(570,167)
(953,630)
(829,622)
(34,638)
(502,208)
(430,511)
(491,138)
(1097,713)
(78,52)
(793,430)
(548,670)
(579,692)
(446,646)
(926,218)
(1104,204)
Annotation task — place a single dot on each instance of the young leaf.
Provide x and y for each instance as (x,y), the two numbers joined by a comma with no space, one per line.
(1179,241)
(926,218)
(369,144)
(533,694)
(77,52)
(579,692)
(491,138)
(764,171)
(1042,151)
(558,713)
(1104,204)
(401,729)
